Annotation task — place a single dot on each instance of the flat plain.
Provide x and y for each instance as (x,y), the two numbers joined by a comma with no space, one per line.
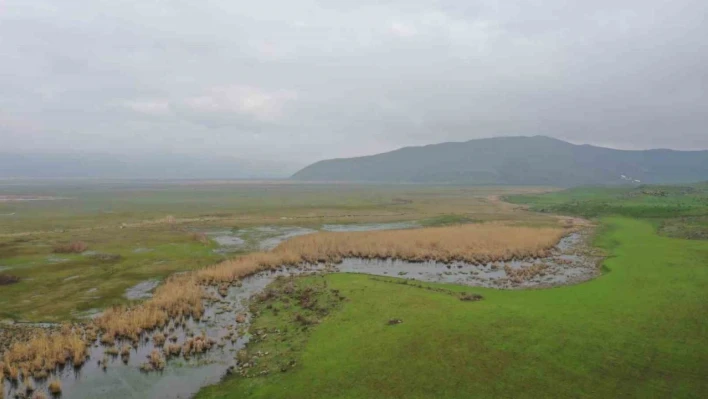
(639,330)
(636,330)
(136,231)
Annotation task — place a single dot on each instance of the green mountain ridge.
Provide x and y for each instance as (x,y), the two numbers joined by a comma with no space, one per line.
(537,160)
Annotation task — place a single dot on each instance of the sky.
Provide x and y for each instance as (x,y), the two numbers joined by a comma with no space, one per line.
(303,80)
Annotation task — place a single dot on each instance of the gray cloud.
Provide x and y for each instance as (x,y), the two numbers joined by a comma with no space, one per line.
(301,80)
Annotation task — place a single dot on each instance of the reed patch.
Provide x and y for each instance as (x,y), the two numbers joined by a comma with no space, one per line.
(75,247)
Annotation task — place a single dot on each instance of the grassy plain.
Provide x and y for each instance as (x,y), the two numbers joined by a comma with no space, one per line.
(640,202)
(182,295)
(637,331)
(676,211)
(142,230)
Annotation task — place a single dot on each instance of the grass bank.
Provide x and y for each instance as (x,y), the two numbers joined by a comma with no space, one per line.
(637,331)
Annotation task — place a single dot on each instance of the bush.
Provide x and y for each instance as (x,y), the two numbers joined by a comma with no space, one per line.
(7,279)
(75,247)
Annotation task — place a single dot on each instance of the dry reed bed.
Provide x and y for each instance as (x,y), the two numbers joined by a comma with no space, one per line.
(183,296)
(43,352)
(467,243)
(179,297)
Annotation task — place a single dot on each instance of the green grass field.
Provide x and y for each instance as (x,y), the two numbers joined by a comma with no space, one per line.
(148,224)
(639,330)
(96,205)
(57,287)
(641,202)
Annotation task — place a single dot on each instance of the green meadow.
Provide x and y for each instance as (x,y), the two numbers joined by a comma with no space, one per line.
(640,202)
(638,330)
(142,230)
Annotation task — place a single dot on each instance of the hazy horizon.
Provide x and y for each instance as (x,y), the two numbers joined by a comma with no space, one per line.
(160,165)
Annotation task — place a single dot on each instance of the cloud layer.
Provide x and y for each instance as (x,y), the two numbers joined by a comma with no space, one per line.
(302,80)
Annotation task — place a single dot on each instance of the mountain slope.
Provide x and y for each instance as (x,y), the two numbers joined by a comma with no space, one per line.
(534,160)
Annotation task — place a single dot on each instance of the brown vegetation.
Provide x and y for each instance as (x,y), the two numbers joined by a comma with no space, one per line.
(29,386)
(55,387)
(468,243)
(75,247)
(196,345)
(179,297)
(7,279)
(155,362)
(125,353)
(182,296)
(159,339)
(470,297)
(172,350)
(113,351)
(44,351)
(478,243)
(520,275)
(234,269)
(200,238)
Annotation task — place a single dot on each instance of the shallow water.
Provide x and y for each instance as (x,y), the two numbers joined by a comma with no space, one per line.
(265,238)
(254,238)
(225,238)
(283,234)
(182,378)
(564,266)
(142,250)
(371,226)
(55,259)
(141,290)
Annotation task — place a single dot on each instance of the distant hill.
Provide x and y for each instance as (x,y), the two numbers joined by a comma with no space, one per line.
(537,160)
(154,166)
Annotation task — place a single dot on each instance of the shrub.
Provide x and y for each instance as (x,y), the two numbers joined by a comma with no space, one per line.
(200,238)
(75,247)
(55,387)
(7,279)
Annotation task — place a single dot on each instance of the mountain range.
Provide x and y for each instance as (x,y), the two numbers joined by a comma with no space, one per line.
(537,160)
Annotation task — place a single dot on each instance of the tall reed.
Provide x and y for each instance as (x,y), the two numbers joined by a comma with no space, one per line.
(476,243)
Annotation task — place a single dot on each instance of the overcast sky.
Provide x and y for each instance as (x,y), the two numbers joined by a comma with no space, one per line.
(303,80)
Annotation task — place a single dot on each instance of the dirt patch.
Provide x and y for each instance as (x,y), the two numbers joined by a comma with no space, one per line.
(468,297)
(106,257)
(7,279)
(75,247)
